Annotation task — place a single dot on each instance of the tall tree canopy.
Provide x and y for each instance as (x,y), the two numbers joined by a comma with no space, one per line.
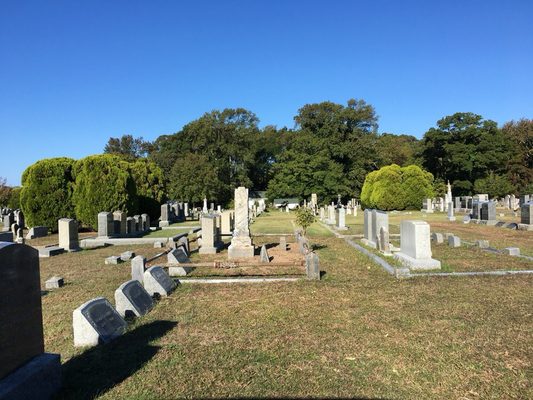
(520,166)
(463,148)
(127,147)
(343,141)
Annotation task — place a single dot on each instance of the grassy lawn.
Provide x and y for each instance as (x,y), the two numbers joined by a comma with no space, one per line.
(273,222)
(356,333)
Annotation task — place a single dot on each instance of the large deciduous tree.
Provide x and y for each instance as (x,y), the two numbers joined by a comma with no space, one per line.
(127,146)
(463,148)
(520,166)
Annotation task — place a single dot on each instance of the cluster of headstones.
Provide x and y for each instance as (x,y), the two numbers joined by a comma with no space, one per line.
(13,225)
(256,210)
(376,231)
(97,321)
(415,244)
(118,224)
(174,212)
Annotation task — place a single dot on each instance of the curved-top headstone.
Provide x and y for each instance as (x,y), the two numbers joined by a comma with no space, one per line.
(21,327)
(96,321)
(132,298)
(157,281)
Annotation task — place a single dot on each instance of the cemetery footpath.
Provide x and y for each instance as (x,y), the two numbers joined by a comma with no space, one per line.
(358,332)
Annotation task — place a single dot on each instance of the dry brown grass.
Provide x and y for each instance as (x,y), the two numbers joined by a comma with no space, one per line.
(356,333)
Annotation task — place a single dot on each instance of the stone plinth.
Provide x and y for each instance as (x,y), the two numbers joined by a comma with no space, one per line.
(105,224)
(68,234)
(415,246)
(241,243)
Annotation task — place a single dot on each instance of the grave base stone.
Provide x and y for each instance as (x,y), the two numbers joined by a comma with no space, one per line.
(38,379)
(512,251)
(45,252)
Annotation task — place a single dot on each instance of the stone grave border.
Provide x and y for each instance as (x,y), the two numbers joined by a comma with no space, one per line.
(404,273)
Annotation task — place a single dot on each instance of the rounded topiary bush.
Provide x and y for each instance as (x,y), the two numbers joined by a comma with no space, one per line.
(103,183)
(46,193)
(397,188)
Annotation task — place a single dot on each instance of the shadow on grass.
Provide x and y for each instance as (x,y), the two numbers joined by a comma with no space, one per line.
(318,247)
(291,398)
(100,368)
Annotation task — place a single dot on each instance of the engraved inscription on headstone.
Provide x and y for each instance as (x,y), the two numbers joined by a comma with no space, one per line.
(96,321)
(132,299)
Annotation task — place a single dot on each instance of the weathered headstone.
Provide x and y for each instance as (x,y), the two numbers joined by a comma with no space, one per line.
(312,266)
(26,372)
(368,233)
(105,224)
(283,243)
(241,243)
(209,235)
(341,225)
(138,265)
(454,241)
(68,234)
(178,256)
(120,223)
(95,322)
(427,206)
(384,242)
(415,246)
(157,281)
(145,221)
(225,223)
(131,299)
(437,238)
(526,213)
(451,217)
(488,211)
(165,215)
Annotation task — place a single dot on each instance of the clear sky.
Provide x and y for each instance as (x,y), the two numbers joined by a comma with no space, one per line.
(74,73)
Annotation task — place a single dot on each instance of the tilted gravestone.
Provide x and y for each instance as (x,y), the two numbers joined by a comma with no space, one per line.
(96,321)
(131,299)
(176,257)
(157,281)
(26,372)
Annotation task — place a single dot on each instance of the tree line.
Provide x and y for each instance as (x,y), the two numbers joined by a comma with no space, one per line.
(330,151)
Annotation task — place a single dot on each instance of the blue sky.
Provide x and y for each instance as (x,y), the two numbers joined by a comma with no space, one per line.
(73,73)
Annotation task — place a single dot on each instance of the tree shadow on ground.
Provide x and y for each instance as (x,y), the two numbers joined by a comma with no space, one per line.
(318,247)
(100,368)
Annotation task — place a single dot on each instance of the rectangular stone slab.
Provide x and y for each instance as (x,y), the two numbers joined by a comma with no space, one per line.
(21,327)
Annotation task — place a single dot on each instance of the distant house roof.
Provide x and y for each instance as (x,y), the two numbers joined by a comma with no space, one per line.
(257,194)
(292,200)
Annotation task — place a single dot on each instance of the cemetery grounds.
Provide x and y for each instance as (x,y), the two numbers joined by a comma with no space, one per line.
(357,333)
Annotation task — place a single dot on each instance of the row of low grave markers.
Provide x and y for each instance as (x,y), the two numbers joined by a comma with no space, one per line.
(96,321)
